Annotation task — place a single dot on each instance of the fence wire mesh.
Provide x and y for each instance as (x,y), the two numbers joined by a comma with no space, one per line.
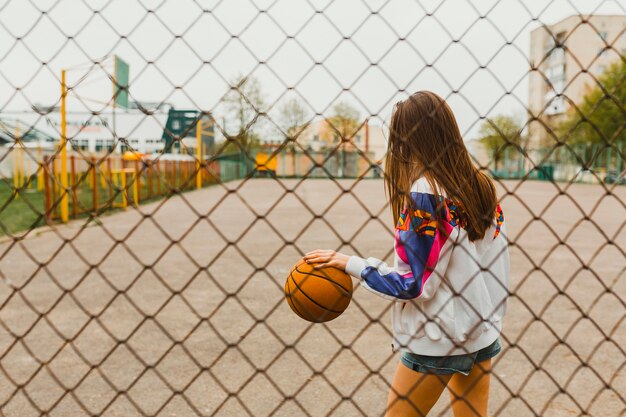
(210,144)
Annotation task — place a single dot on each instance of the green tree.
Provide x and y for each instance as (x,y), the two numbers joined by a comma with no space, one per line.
(344,121)
(243,104)
(498,133)
(601,115)
(293,117)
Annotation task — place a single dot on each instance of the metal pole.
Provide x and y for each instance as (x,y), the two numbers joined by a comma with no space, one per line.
(198,153)
(367,136)
(136,189)
(110,175)
(28,176)
(136,184)
(150,171)
(40,176)
(284,159)
(17,183)
(16,172)
(159,176)
(341,162)
(94,180)
(205,172)
(73,184)
(55,184)
(124,190)
(64,199)
(114,103)
(46,188)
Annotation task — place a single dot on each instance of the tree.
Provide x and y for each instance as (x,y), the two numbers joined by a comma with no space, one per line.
(605,112)
(292,118)
(243,104)
(344,121)
(498,133)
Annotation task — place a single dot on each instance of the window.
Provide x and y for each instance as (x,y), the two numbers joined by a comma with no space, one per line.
(556,105)
(555,48)
(556,73)
(557,54)
(556,43)
(558,86)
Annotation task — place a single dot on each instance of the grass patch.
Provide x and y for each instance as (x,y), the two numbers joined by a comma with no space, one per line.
(21,213)
(26,211)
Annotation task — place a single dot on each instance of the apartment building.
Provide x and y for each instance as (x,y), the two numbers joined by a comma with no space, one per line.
(568,57)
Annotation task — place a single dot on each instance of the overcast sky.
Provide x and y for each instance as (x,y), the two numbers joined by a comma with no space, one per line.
(368,51)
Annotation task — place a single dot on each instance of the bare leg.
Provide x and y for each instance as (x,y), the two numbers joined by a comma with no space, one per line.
(414,393)
(469,394)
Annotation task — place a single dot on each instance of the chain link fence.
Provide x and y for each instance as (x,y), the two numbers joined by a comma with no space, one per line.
(165,163)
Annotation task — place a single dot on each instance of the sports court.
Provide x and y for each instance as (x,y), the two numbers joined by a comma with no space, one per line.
(165,317)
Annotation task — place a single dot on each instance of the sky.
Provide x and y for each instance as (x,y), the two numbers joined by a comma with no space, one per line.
(368,53)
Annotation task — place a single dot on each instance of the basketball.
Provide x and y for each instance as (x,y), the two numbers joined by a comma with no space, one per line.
(317,295)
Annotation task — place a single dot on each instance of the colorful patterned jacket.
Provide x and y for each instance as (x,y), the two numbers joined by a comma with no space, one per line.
(450,293)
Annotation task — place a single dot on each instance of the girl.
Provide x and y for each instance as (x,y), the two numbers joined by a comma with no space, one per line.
(451,267)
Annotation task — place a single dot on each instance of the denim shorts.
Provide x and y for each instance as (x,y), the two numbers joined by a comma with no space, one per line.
(445,365)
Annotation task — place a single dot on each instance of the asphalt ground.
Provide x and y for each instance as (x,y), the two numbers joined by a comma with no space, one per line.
(154,312)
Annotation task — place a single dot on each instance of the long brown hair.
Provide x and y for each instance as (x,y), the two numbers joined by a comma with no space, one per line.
(425,140)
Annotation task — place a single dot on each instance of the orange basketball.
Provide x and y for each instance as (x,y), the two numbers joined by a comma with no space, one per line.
(317,295)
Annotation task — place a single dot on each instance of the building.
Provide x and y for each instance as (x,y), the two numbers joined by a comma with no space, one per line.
(11,128)
(567,56)
(320,134)
(136,130)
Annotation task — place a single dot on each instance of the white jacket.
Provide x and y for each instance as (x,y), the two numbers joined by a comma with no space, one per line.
(450,294)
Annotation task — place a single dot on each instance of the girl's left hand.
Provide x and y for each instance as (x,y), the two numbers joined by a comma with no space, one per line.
(326,257)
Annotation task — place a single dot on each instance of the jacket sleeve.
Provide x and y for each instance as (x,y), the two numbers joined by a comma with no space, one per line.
(418,245)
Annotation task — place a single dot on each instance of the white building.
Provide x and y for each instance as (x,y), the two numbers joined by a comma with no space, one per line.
(142,132)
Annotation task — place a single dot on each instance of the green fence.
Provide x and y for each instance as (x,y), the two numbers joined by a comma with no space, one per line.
(233,166)
(586,163)
(312,164)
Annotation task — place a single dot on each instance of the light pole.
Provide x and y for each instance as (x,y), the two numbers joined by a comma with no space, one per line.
(64,197)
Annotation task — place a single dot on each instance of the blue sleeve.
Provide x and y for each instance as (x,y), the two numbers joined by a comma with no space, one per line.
(417,244)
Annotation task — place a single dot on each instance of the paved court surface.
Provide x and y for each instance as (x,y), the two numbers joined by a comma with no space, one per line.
(121,315)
